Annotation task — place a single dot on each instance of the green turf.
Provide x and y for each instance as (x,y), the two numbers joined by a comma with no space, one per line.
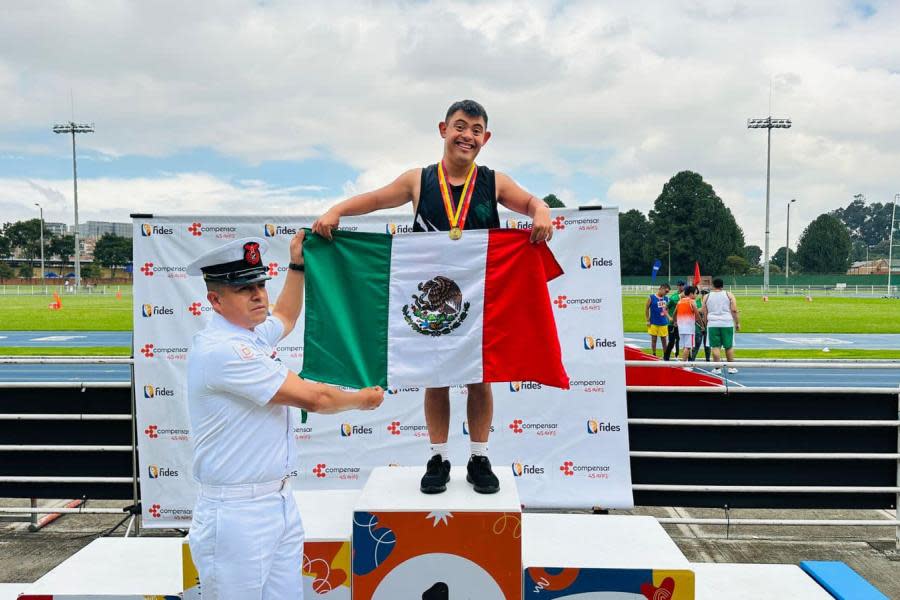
(796,315)
(60,351)
(78,313)
(804,354)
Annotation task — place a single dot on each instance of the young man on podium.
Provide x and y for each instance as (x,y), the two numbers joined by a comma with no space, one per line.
(453,195)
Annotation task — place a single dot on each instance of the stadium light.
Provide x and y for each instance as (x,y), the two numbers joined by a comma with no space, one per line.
(74,128)
(891,242)
(768,124)
(787,244)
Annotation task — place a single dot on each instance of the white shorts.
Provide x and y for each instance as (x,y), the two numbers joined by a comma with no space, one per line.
(248,548)
(687,339)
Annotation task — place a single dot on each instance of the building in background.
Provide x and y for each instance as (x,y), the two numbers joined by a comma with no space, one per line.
(879,266)
(96,229)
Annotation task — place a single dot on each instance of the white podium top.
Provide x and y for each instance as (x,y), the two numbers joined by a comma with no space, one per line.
(396,489)
(117,566)
(756,582)
(327,514)
(598,542)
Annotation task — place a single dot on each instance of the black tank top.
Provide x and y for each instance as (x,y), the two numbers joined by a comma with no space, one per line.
(431,215)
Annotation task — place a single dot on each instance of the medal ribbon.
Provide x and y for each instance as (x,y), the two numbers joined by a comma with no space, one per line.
(457,216)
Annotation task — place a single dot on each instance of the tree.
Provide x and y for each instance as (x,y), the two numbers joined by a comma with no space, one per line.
(112,251)
(737,265)
(634,254)
(824,246)
(868,224)
(62,246)
(6,271)
(753,254)
(553,202)
(690,216)
(25,236)
(777,260)
(5,247)
(90,270)
(26,271)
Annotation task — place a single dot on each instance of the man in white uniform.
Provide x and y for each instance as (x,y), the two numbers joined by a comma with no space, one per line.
(246,535)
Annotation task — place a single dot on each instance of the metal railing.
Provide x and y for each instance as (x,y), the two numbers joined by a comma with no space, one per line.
(849,290)
(635,421)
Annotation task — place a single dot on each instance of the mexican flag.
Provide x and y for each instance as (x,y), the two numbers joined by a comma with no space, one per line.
(423,310)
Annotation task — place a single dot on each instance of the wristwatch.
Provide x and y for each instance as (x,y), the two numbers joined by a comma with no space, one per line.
(296,267)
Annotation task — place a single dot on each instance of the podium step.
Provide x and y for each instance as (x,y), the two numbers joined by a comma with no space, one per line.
(755,582)
(567,555)
(459,544)
(115,567)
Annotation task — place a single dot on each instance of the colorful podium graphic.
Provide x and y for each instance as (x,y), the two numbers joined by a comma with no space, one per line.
(610,557)
(458,544)
(327,521)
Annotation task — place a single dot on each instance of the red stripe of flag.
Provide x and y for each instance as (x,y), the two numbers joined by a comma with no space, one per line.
(520,341)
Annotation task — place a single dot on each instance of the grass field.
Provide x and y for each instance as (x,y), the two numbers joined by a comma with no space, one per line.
(778,315)
(796,315)
(58,351)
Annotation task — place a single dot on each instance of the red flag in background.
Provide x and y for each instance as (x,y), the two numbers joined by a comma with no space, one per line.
(696,273)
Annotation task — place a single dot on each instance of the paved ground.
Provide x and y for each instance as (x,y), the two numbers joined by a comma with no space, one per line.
(26,556)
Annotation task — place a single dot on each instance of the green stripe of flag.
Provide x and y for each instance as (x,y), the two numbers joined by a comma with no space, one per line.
(347,293)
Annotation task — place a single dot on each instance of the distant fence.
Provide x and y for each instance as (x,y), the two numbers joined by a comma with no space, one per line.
(803,280)
(27,287)
(839,291)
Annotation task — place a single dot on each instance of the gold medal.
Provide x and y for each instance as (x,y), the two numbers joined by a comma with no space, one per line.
(456,215)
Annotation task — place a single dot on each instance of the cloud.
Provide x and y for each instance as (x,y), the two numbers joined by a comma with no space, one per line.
(644,90)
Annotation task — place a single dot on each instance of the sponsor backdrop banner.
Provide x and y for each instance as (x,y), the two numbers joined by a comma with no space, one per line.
(567,449)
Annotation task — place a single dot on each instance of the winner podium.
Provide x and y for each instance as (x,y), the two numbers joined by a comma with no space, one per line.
(458,544)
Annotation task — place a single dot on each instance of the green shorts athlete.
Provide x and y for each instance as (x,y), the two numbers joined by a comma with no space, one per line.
(721,337)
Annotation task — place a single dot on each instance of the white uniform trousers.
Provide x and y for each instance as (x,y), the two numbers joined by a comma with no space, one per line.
(248,547)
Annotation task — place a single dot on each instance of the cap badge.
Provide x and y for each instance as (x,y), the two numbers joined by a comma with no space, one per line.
(251,253)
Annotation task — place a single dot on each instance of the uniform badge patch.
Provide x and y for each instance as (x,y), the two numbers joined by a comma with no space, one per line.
(245,352)
(251,253)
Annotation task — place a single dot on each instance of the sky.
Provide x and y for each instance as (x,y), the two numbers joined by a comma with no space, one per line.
(284,108)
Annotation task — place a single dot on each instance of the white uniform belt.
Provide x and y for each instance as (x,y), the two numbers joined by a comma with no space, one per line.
(242,490)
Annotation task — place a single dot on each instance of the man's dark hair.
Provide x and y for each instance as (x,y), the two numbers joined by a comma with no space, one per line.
(718,283)
(470,107)
(689,290)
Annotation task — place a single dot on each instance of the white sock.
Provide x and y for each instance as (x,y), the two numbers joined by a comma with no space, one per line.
(440,449)
(479,448)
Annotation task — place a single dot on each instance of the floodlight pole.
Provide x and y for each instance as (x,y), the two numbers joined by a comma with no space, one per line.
(73,128)
(787,244)
(769,124)
(42,240)
(891,242)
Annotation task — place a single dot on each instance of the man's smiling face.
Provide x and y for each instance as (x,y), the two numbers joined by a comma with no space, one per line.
(464,135)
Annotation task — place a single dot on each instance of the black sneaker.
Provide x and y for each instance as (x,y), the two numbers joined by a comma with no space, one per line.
(480,475)
(437,474)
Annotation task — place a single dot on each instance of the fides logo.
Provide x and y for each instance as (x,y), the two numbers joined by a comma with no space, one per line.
(348,430)
(594,427)
(394,229)
(155,472)
(589,262)
(152,391)
(523,470)
(518,224)
(150,310)
(595,343)
(270,230)
(518,386)
(148,230)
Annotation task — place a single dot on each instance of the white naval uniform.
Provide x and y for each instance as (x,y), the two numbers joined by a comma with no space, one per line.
(246,535)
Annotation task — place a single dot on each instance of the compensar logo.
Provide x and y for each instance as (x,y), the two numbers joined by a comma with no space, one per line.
(274,269)
(322,470)
(578,303)
(393,391)
(524,470)
(155,432)
(158,511)
(290,351)
(398,428)
(349,430)
(152,391)
(596,343)
(582,223)
(590,262)
(519,386)
(155,310)
(271,230)
(465,428)
(149,269)
(156,471)
(220,232)
(198,308)
(559,223)
(588,385)
(148,230)
(394,228)
(303,432)
(521,426)
(570,468)
(517,224)
(595,427)
(165,352)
